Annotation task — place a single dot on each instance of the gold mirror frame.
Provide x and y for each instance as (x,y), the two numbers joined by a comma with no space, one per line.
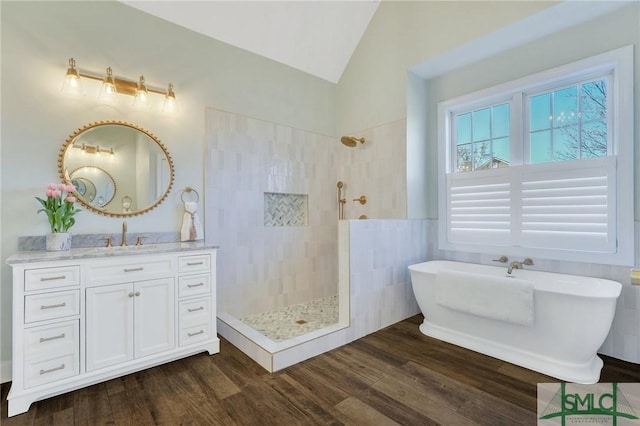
(65,177)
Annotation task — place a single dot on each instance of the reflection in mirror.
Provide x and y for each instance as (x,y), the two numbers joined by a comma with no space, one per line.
(95,185)
(111,161)
(126,204)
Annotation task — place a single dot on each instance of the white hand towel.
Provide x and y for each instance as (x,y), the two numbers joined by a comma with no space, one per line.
(191,225)
(500,298)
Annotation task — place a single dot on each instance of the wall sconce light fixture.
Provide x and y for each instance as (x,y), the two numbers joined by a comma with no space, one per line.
(90,149)
(113,86)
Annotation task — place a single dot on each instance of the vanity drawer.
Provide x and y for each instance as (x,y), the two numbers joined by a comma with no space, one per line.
(195,321)
(195,263)
(130,269)
(194,311)
(194,334)
(51,341)
(57,368)
(46,278)
(191,285)
(40,307)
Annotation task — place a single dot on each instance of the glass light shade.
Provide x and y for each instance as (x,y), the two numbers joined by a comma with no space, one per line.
(141,99)
(72,84)
(169,104)
(108,90)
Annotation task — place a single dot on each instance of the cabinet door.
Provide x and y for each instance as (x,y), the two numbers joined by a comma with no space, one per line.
(109,318)
(154,316)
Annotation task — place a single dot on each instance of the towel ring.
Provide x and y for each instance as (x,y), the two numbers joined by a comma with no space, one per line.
(189,189)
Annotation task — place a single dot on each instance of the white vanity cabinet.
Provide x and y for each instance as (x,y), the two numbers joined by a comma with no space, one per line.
(81,317)
(127,321)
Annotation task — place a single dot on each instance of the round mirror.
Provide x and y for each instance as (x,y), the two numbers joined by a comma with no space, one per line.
(117,168)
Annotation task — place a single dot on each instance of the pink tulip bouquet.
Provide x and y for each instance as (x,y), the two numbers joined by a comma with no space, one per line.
(59,206)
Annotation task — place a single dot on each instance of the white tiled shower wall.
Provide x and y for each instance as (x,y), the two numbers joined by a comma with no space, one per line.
(263,268)
(376,169)
(379,253)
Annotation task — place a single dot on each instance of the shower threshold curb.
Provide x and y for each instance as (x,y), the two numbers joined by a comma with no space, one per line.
(274,356)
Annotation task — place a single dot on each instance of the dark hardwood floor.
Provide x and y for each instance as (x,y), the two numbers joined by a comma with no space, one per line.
(394,376)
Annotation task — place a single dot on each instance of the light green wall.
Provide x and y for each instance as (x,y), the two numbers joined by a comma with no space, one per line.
(402,34)
(37,40)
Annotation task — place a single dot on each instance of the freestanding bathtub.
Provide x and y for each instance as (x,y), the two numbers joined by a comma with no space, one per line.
(568,320)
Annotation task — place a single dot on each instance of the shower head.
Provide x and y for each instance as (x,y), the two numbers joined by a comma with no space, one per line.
(351,141)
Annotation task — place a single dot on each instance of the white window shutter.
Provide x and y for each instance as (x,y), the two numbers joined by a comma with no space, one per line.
(570,205)
(479,207)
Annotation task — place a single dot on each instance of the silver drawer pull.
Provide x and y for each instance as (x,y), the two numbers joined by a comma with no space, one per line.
(195,309)
(133,269)
(195,263)
(131,294)
(196,333)
(51,370)
(195,285)
(46,339)
(59,277)
(59,305)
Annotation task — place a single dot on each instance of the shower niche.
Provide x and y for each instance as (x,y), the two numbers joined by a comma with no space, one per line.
(282,209)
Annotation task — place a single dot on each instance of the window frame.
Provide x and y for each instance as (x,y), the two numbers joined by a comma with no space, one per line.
(618,63)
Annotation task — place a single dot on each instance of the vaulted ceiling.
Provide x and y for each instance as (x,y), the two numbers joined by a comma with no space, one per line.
(314,36)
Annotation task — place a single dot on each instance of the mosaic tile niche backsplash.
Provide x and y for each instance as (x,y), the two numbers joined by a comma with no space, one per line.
(285,209)
(262,268)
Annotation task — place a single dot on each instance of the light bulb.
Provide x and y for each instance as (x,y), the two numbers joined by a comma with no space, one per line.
(71,84)
(142,96)
(108,91)
(169,104)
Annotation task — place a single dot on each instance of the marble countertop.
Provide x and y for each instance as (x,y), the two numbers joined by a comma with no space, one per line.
(98,252)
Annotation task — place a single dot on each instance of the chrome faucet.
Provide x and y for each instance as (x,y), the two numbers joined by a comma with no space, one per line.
(124,234)
(518,265)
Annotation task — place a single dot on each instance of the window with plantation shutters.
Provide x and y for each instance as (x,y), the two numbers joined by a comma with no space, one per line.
(542,166)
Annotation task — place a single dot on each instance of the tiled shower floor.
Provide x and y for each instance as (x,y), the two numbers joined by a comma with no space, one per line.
(295,320)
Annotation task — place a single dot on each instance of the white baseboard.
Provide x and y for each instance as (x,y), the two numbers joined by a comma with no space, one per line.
(5,371)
